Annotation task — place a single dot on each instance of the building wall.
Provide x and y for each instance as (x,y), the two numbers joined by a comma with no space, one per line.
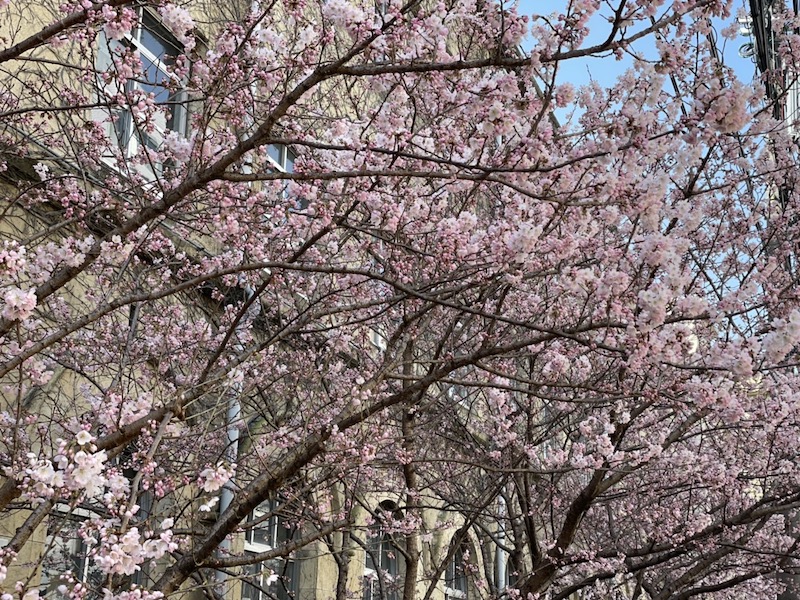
(64,395)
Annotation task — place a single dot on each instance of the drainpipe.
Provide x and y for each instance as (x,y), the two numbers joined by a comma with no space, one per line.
(501,556)
(232,421)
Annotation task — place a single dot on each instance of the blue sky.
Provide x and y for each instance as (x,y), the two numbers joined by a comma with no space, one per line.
(605,70)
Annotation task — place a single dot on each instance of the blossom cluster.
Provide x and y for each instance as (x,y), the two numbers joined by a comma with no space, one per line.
(213,478)
(180,23)
(124,554)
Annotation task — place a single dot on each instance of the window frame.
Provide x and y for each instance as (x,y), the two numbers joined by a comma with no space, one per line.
(281,161)
(73,551)
(456,585)
(264,589)
(381,546)
(173,116)
(281,158)
(384,574)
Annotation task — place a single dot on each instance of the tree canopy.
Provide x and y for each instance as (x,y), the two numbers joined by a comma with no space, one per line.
(318,252)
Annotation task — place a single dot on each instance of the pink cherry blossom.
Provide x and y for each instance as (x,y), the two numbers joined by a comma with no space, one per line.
(213,478)
(19,304)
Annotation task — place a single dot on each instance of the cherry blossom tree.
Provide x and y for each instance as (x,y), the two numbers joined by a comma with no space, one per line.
(300,255)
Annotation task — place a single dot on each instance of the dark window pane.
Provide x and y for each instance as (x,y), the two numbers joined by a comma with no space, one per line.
(155,81)
(274,577)
(290,158)
(158,40)
(263,533)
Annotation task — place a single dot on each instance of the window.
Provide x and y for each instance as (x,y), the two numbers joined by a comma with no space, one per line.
(378,340)
(381,563)
(460,397)
(158,50)
(455,576)
(282,156)
(458,393)
(380,569)
(793,104)
(66,555)
(271,578)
